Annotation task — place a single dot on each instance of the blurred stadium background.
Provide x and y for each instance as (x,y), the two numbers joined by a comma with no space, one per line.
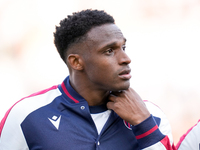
(163,43)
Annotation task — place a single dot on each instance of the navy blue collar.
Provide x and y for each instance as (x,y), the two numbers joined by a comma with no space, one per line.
(97,109)
(70,92)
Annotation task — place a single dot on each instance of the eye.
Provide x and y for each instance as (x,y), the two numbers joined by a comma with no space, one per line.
(109,51)
(124,47)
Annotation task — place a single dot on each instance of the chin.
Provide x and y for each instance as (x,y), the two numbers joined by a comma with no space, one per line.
(125,86)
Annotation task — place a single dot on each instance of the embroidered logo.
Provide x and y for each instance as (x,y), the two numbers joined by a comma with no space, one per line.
(55,121)
(128,125)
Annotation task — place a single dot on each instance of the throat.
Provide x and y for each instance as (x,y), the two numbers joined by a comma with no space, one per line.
(97,99)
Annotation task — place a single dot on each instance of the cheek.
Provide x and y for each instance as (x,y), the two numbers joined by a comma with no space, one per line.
(100,71)
(101,68)
(105,68)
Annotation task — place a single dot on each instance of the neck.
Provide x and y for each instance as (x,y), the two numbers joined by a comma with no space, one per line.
(93,96)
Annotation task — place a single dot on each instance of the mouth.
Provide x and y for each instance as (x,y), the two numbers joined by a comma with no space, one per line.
(125,74)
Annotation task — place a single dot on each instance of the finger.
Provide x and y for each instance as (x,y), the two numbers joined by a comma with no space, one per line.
(112,97)
(110,105)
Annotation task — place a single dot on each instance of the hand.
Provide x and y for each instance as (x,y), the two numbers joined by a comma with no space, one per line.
(129,106)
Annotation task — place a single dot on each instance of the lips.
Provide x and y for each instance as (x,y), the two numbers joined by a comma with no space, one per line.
(127,71)
(125,74)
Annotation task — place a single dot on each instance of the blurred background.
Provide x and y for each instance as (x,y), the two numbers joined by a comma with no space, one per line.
(163,43)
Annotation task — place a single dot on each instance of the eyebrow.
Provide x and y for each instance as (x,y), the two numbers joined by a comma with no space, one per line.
(112,44)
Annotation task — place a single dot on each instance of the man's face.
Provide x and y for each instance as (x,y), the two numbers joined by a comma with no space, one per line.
(105,61)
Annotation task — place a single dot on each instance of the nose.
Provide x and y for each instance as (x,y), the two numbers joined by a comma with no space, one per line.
(124,59)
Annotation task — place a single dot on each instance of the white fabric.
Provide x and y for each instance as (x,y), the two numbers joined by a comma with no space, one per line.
(100,119)
(192,139)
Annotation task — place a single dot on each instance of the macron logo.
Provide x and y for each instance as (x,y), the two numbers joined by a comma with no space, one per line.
(55,121)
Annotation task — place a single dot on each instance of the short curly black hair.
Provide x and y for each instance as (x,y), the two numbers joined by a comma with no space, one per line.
(73,28)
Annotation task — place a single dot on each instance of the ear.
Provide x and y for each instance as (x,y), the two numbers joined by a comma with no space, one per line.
(75,61)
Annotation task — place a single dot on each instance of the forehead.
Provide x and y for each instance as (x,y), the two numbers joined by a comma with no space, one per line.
(103,35)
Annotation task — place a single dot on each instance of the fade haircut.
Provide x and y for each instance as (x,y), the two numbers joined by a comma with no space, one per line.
(75,27)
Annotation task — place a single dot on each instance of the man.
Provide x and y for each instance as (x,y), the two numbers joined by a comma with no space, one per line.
(191,139)
(94,108)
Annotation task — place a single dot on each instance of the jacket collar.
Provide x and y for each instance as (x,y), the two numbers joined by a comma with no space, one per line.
(68,91)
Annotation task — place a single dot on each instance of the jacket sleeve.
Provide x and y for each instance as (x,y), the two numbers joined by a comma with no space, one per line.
(11,136)
(154,133)
(191,139)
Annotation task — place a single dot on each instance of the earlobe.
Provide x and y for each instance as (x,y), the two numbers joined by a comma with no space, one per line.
(75,62)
